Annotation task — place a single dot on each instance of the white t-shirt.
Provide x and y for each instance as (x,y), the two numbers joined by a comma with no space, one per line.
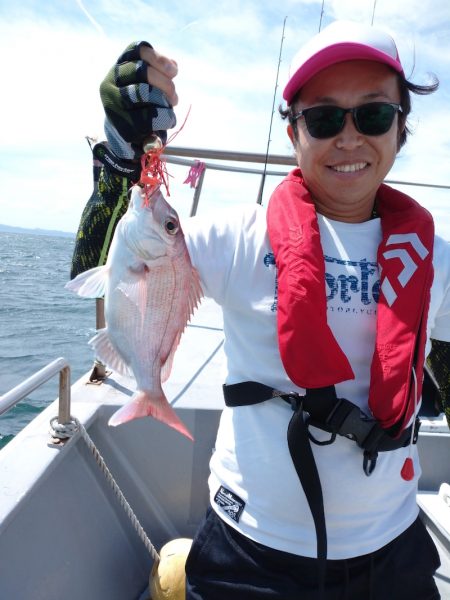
(253,483)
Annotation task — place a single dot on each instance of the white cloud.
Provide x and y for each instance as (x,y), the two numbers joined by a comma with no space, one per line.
(55,78)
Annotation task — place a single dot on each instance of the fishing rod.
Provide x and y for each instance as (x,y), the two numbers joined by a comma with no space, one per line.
(373,11)
(263,178)
(321,15)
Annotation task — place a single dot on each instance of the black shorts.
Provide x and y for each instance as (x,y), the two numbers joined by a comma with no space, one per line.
(225,565)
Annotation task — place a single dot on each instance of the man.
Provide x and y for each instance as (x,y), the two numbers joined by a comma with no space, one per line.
(299,509)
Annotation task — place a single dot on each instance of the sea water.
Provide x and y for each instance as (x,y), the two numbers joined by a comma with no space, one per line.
(39,320)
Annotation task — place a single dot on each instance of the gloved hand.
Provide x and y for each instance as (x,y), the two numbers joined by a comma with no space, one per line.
(138,95)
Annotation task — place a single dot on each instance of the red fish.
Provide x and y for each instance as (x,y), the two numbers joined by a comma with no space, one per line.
(151,290)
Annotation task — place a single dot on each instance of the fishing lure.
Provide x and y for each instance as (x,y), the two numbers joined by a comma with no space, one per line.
(153,165)
(153,168)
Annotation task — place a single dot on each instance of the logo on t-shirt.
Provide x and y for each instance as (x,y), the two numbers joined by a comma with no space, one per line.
(269,261)
(349,283)
(349,280)
(231,504)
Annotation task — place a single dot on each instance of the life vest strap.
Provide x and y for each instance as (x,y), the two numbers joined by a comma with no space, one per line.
(327,412)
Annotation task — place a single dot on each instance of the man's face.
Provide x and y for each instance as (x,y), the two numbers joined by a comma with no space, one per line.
(344,172)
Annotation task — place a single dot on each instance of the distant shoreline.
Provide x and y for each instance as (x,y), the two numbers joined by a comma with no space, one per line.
(36,231)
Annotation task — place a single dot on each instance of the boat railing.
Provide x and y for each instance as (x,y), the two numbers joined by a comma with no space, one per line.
(58,366)
(178,155)
(185,156)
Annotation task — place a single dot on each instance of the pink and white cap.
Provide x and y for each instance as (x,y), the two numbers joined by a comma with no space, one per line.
(340,41)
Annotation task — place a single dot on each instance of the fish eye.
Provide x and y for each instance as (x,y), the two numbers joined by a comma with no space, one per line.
(171,226)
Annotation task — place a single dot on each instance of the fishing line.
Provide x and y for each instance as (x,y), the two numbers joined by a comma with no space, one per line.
(263,179)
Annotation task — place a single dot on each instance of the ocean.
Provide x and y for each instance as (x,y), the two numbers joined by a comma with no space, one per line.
(39,320)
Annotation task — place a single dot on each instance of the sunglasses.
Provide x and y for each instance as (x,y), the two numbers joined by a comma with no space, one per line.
(374,118)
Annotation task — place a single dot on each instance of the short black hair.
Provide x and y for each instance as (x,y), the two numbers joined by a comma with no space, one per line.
(406,87)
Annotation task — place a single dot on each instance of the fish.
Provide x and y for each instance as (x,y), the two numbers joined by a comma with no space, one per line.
(151,291)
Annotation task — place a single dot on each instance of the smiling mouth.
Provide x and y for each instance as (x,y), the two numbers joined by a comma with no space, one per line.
(349,168)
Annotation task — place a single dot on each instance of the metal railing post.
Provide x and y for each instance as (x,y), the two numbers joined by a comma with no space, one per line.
(64,396)
(198,191)
(21,391)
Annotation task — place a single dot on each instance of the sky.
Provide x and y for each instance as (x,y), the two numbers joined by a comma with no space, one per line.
(54,54)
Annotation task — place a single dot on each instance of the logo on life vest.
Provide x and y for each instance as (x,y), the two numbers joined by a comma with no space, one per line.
(409,265)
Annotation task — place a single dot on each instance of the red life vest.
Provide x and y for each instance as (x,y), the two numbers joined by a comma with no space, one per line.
(309,351)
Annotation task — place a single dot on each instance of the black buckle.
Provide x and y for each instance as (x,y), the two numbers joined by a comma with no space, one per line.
(349,421)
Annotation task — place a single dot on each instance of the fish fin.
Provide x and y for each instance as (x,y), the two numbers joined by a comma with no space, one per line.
(90,284)
(136,287)
(107,353)
(195,292)
(194,296)
(167,366)
(146,404)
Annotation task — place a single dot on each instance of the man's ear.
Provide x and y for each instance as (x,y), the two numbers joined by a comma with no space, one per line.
(290,132)
(400,130)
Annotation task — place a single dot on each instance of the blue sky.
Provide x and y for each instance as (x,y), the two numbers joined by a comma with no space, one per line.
(55,53)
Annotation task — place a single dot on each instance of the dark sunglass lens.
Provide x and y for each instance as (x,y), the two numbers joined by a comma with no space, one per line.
(324,121)
(375,118)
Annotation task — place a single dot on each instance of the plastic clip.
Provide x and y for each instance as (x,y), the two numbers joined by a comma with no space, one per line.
(369,462)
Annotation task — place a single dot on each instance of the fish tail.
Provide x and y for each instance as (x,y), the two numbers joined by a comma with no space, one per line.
(146,404)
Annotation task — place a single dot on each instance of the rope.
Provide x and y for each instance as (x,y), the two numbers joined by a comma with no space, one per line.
(67,430)
(62,431)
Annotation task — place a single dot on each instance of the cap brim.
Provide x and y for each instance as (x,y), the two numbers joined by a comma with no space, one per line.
(331,55)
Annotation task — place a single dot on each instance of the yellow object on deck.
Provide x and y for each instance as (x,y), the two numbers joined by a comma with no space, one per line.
(167,579)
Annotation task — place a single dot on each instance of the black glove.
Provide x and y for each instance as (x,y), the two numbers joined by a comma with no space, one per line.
(134,109)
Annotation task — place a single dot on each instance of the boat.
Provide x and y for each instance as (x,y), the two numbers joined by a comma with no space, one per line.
(84,507)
